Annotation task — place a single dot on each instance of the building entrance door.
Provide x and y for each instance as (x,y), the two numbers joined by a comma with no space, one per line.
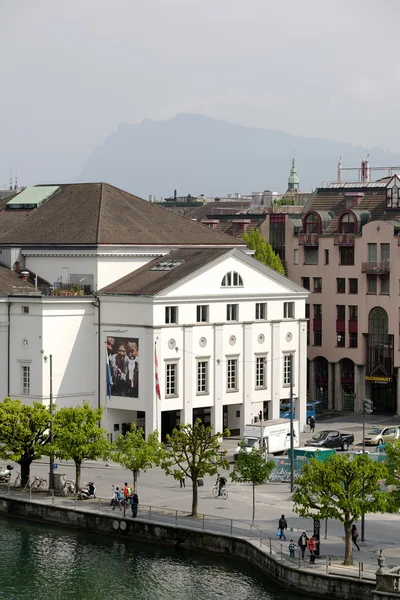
(384,397)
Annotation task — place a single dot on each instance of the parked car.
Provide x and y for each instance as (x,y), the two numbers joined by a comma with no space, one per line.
(311,412)
(331,439)
(381,434)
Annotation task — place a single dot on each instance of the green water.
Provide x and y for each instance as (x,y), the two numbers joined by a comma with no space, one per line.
(38,562)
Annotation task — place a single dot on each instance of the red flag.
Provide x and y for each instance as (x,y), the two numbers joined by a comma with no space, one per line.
(158,393)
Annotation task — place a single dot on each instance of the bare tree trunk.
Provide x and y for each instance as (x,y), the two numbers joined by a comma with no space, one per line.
(254,502)
(78,467)
(135,478)
(25,464)
(194,498)
(348,551)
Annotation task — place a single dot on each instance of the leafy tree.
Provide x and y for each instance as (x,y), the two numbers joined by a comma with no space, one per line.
(78,437)
(263,251)
(195,451)
(135,453)
(341,488)
(251,467)
(393,454)
(284,201)
(24,433)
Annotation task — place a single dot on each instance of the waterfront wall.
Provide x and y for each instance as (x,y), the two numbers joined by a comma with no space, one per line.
(310,583)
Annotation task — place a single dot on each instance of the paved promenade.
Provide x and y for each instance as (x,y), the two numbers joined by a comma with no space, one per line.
(164,495)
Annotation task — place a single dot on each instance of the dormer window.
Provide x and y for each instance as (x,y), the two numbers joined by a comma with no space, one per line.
(347,223)
(312,223)
(232,279)
(392,195)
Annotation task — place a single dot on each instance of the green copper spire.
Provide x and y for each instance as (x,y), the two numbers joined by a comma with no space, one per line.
(293,181)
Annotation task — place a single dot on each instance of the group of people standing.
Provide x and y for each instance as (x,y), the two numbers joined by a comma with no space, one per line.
(126,496)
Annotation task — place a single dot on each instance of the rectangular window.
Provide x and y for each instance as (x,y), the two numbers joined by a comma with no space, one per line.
(310,256)
(340,285)
(353,313)
(371,288)
(317,311)
(171,380)
(288,310)
(347,256)
(232,379)
(286,369)
(202,377)
(261,380)
(385,252)
(353,286)
(317,337)
(171,314)
(26,379)
(232,312)
(353,339)
(326,253)
(305,282)
(340,312)
(25,310)
(296,256)
(202,313)
(341,339)
(372,253)
(261,311)
(385,285)
(317,283)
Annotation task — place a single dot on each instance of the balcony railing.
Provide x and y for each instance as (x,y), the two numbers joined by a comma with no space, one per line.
(376,268)
(308,239)
(344,239)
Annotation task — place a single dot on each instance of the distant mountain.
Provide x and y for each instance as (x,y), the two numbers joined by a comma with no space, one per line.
(201,155)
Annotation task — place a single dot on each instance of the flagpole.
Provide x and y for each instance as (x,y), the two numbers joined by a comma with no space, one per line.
(157,383)
(107,390)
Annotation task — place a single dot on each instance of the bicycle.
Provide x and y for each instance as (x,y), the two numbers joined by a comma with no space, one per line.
(38,483)
(223,493)
(17,482)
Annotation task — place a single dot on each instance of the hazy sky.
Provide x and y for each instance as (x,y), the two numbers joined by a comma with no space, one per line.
(72,70)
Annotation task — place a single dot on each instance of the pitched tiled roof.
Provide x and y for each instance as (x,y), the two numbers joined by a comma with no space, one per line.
(11,283)
(147,282)
(98,213)
(214,209)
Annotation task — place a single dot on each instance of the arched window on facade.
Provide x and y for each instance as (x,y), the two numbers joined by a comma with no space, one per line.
(347,223)
(380,344)
(312,223)
(232,279)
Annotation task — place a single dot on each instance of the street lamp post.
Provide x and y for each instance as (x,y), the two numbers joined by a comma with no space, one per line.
(291,426)
(367,409)
(51,474)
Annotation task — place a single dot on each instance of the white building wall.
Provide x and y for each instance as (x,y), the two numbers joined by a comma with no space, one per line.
(53,268)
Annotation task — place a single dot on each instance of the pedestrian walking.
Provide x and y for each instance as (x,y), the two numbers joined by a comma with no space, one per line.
(312,546)
(312,424)
(182,480)
(303,543)
(282,525)
(354,536)
(134,499)
(292,546)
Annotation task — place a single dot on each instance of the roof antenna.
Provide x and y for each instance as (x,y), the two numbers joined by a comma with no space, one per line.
(16,181)
(11,186)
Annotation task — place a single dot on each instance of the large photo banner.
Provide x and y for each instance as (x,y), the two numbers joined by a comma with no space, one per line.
(123,361)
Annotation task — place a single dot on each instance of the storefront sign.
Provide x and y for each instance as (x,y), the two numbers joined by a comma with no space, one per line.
(376,379)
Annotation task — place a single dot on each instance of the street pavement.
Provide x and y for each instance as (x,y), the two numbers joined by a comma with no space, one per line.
(164,494)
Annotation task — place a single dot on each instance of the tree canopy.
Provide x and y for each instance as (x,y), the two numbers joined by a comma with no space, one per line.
(24,433)
(263,251)
(135,453)
(195,451)
(393,454)
(342,488)
(251,467)
(78,437)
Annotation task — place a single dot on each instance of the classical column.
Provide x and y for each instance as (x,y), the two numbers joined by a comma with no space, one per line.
(338,387)
(331,385)
(276,369)
(219,379)
(312,382)
(359,387)
(187,374)
(398,393)
(248,377)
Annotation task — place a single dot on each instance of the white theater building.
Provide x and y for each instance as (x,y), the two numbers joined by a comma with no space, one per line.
(88,264)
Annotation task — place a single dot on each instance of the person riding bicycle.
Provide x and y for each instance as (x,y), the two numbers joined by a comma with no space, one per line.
(221,483)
